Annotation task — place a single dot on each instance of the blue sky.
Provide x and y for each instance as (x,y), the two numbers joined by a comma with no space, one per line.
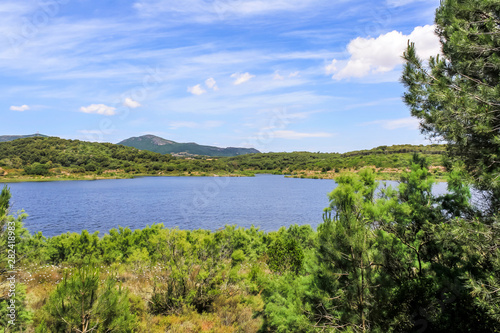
(277,75)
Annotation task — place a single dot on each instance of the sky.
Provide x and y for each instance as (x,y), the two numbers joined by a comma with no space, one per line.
(276,75)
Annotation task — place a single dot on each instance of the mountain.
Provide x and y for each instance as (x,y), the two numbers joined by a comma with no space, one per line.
(159,145)
(5,138)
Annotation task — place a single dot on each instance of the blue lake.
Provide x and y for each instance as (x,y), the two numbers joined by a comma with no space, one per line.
(266,201)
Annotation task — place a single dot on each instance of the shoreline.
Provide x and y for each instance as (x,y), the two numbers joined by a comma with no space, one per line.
(27,179)
(41,179)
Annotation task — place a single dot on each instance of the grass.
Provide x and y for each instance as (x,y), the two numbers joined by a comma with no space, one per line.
(234,311)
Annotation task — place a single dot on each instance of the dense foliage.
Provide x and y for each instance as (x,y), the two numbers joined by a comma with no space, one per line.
(389,260)
(457,97)
(396,156)
(38,155)
(54,157)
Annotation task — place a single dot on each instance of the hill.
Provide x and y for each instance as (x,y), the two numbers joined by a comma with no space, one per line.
(159,145)
(384,158)
(72,153)
(6,138)
(53,157)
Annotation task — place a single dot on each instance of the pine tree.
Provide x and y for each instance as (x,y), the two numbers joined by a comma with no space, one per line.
(457,97)
(81,303)
(346,255)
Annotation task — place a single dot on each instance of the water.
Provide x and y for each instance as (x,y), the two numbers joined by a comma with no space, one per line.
(265,201)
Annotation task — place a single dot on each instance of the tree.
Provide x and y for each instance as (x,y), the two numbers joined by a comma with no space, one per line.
(79,304)
(426,250)
(285,254)
(347,256)
(37,169)
(457,97)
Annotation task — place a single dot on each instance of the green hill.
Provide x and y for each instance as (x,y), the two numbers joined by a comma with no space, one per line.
(383,157)
(6,138)
(74,155)
(159,145)
(53,157)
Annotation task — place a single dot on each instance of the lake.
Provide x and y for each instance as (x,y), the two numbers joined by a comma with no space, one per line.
(266,201)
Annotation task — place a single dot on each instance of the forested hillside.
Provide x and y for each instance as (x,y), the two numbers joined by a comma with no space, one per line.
(67,159)
(396,156)
(159,145)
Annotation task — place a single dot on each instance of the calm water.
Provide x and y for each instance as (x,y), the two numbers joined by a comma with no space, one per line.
(266,201)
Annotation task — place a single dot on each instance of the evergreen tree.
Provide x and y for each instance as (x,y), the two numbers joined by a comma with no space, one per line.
(82,303)
(457,97)
(346,256)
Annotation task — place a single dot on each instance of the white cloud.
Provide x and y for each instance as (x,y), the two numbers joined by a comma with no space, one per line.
(196,90)
(294,74)
(191,124)
(292,135)
(277,76)
(242,78)
(129,102)
(20,108)
(212,84)
(331,68)
(383,54)
(408,123)
(99,109)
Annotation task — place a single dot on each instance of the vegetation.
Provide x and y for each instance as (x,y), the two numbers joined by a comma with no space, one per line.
(390,260)
(458,97)
(55,158)
(159,145)
(398,260)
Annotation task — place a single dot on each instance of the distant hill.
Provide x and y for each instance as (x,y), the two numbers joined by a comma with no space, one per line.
(159,145)
(5,138)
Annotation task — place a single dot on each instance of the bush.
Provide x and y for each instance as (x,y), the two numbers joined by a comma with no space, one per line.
(37,169)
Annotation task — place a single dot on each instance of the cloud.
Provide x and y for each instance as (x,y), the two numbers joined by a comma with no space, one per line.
(129,102)
(242,78)
(212,84)
(196,90)
(393,124)
(20,108)
(292,135)
(331,68)
(206,11)
(277,76)
(383,54)
(191,124)
(99,109)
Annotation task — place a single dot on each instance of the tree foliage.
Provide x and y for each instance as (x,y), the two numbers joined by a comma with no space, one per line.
(457,97)
(82,303)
